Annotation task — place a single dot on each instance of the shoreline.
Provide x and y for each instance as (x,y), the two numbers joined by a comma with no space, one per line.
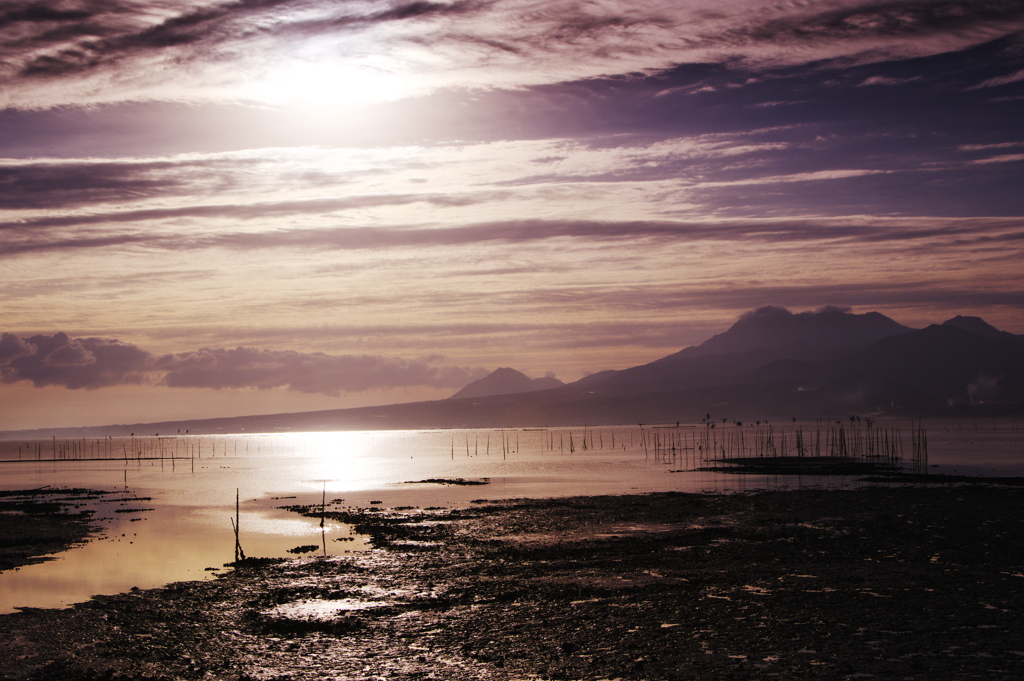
(889,581)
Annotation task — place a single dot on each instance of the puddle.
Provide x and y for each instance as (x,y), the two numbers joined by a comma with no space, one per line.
(313,610)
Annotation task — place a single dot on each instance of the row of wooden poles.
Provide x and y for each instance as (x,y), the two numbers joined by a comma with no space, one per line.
(696,446)
(1012,426)
(555,440)
(690,445)
(131,448)
(710,443)
(509,444)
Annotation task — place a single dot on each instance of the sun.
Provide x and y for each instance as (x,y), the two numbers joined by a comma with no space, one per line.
(325,84)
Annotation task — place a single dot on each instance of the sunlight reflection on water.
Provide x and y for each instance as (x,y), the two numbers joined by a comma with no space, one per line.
(192,481)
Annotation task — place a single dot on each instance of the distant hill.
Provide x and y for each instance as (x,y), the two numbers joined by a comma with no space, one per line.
(824,333)
(939,366)
(505,381)
(775,363)
(766,335)
(980,327)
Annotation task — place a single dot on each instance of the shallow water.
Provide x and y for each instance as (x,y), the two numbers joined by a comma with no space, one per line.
(193,481)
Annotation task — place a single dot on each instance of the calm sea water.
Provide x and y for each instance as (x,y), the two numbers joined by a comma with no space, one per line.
(192,483)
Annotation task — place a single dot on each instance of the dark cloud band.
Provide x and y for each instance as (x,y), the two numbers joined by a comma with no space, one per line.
(920,232)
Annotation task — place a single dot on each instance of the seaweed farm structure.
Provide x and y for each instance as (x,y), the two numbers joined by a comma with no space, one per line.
(859,446)
(165,449)
(823,448)
(826,448)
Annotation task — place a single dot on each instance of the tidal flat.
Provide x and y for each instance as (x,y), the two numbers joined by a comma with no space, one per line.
(37,523)
(887,581)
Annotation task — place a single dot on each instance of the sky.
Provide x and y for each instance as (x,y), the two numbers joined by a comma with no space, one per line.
(227,207)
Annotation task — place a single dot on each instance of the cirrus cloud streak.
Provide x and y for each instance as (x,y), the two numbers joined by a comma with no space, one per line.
(89,52)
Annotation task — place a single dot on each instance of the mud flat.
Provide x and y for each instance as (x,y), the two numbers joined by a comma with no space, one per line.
(887,582)
(34,524)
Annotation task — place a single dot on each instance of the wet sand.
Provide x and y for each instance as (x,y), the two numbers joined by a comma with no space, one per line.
(888,582)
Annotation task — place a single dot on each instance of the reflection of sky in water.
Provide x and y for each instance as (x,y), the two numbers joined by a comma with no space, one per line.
(194,497)
(172,543)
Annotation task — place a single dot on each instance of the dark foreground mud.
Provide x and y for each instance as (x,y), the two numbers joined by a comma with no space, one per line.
(888,583)
(40,522)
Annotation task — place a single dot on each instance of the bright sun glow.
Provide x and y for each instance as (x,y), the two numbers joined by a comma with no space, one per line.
(329,85)
(342,461)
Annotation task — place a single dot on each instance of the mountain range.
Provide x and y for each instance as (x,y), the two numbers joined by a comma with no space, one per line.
(772,363)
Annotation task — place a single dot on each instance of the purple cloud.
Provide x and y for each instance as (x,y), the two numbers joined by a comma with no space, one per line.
(92,363)
(12,347)
(58,184)
(72,362)
(71,354)
(306,372)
